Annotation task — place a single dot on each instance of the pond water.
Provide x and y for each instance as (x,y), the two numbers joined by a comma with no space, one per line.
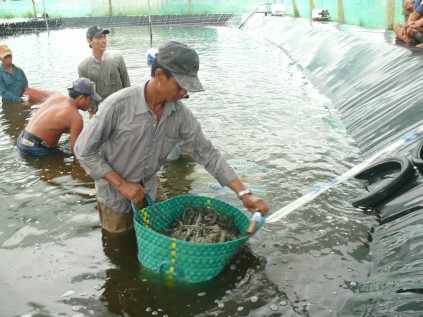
(280,133)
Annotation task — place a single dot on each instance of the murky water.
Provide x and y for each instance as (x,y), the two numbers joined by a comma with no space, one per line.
(258,106)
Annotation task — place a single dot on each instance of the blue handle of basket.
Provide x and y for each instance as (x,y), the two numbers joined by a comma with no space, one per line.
(257,220)
(149,200)
(134,208)
(179,272)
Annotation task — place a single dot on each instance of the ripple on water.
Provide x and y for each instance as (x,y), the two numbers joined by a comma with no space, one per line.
(275,118)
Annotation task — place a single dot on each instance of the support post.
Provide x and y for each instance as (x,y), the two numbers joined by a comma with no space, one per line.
(190,7)
(34,8)
(340,11)
(295,8)
(110,8)
(390,14)
(311,9)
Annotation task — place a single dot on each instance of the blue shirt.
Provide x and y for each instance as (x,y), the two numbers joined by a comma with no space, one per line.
(418,6)
(12,85)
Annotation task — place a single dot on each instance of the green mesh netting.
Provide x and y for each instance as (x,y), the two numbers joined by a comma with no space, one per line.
(82,8)
(187,261)
(366,13)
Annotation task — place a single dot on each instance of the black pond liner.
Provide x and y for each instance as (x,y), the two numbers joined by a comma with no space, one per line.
(372,82)
(395,283)
(417,155)
(384,178)
(29,26)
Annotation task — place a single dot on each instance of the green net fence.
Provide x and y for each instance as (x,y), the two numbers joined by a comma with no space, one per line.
(366,13)
(356,12)
(79,8)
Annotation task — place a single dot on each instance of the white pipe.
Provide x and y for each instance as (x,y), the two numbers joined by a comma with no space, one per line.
(283,212)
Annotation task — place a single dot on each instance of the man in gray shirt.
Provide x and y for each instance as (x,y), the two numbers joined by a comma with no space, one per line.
(106,68)
(127,141)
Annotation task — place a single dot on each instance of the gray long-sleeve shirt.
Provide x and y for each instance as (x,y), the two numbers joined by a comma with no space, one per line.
(124,137)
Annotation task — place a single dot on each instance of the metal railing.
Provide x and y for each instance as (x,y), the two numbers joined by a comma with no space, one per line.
(268,10)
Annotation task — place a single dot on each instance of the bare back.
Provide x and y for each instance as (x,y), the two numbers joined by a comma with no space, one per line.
(57,115)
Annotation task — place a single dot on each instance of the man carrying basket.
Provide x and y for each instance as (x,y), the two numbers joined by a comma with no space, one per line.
(125,144)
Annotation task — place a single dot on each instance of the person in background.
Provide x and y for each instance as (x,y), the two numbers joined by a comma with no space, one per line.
(57,115)
(407,9)
(106,68)
(125,144)
(412,30)
(13,81)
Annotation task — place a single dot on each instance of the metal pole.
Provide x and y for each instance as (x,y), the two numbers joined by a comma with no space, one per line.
(45,17)
(149,22)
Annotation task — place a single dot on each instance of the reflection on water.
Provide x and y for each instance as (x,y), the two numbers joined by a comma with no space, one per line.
(127,283)
(14,118)
(257,107)
(175,176)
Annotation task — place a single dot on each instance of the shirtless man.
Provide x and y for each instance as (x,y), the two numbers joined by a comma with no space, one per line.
(57,115)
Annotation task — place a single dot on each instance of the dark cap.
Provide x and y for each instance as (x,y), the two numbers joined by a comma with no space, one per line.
(183,63)
(96,31)
(85,86)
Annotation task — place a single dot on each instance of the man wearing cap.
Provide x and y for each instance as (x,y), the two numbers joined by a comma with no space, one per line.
(13,81)
(106,68)
(57,115)
(134,130)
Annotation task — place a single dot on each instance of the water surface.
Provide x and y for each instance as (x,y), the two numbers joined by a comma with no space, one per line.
(258,107)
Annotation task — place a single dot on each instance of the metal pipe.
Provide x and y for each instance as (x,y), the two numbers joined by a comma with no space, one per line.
(249,17)
(149,22)
(283,212)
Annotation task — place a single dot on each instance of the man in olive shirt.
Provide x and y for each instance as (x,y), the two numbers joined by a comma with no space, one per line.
(129,138)
(106,68)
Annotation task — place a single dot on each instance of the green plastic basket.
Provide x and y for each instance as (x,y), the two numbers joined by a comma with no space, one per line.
(187,261)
